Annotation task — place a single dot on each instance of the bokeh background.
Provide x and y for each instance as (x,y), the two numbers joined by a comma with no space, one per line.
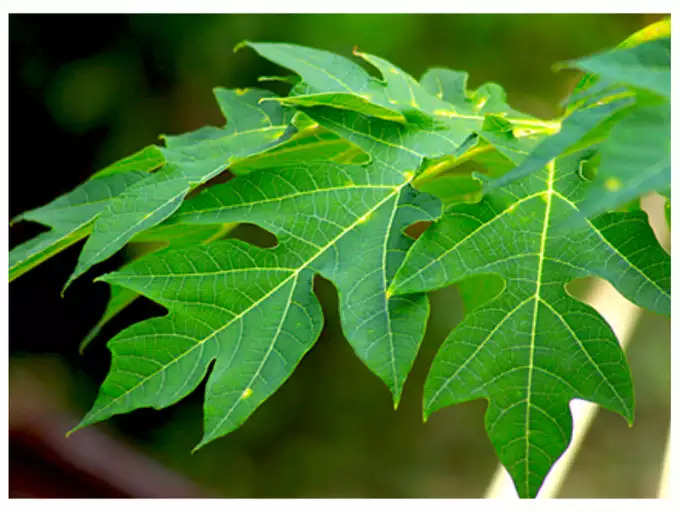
(86,90)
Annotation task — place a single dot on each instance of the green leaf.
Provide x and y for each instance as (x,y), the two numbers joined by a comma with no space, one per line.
(407,146)
(534,348)
(573,132)
(656,30)
(148,159)
(247,315)
(192,159)
(310,142)
(453,188)
(162,236)
(498,148)
(622,104)
(631,143)
(434,124)
(252,310)
(645,66)
(446,84)
(400,146)
(70,217)
(634,160)
(331,80)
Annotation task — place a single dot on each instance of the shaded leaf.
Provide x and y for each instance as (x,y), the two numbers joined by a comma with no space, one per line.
(147,159)
(331,80)
(645,66)
(622,106)
(573,130)
(634,159)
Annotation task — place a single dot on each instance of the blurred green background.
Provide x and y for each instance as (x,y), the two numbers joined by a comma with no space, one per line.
(85,90)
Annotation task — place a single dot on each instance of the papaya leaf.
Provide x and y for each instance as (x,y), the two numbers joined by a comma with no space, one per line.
(499,147)
(192,159)
(450,188)
(330,80)
(435,122)
(656,30)
(533,348)
(645,66)
(407,146)
(146,242)
(252,310)
(574,129)
(623,106)
(634,159)
(310,142)
(337,170)
(147,159)
(70,217)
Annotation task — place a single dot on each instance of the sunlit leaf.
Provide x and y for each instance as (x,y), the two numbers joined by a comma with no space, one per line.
(534,348)
(252,310)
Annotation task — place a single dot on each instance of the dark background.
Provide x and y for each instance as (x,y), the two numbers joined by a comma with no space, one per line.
(86,90)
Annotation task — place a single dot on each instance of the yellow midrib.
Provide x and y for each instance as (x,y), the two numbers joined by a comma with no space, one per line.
(537,298)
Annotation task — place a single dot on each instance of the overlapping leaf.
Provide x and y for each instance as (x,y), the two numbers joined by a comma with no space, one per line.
(252,310)
(248,315)
(309,142)
(624,104)
(402,121)
(533,348)
(71,215)
(256,137)
(192,159)
(439,103)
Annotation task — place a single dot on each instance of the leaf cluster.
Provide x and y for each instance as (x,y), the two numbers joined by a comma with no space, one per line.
(337,170)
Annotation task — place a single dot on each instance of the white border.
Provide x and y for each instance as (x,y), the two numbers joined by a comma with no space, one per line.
(346,6)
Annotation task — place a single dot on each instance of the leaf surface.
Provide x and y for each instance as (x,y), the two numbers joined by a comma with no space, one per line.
(147,159)
(623,107)
(70,217)
(252,310)
(645,66)
(192,159)
(174,236)
(534,348)
(331,80)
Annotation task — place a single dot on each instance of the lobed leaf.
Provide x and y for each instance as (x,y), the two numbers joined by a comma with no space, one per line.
(644,66)
(192,159)
(162,236)
(330,80)
(247,315)
(623,105)
(70,217)
(534,348)
(252,310)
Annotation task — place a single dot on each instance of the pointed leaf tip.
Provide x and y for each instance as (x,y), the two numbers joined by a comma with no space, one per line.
(529,392)
(241,45)
(380,204)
